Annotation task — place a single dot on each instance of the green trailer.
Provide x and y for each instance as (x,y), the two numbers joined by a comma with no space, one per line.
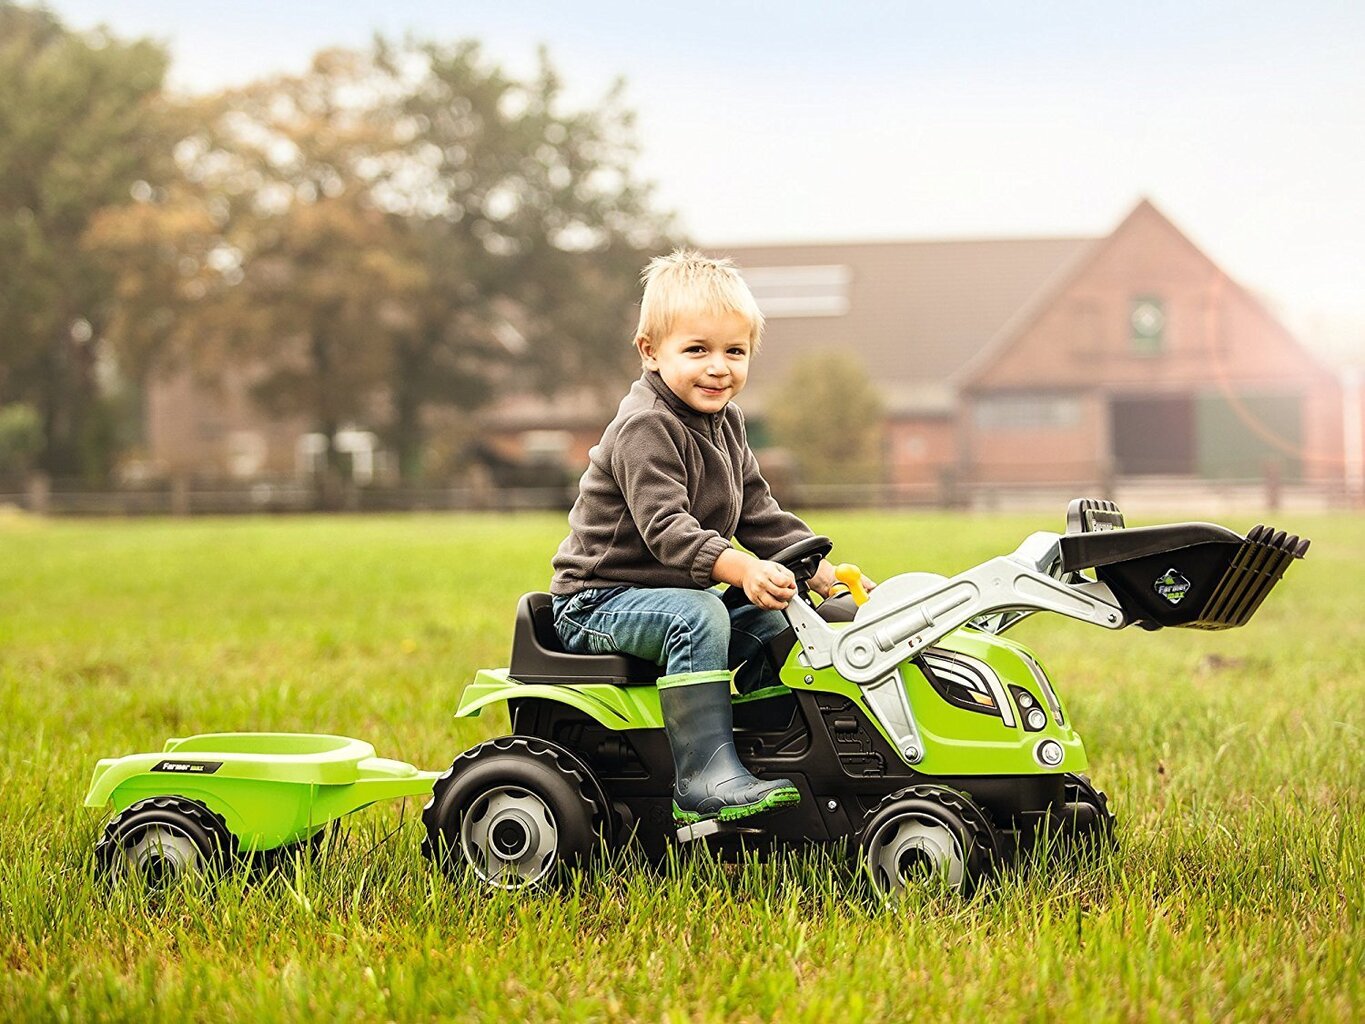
(203,800)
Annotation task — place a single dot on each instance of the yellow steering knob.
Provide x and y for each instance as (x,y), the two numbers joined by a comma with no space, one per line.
(852,577)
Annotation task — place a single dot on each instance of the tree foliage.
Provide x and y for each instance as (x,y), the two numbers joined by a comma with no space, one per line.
(21,439)
(81,122)
(393,231)
(528,225)
(827,414)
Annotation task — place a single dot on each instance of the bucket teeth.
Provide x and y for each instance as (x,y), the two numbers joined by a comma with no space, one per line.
(1292,544)
(1251,575)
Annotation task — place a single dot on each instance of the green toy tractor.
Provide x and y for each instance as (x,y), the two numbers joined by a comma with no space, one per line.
(913,727)
(917,733)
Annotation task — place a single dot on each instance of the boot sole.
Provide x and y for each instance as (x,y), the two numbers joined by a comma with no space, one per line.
(783,797)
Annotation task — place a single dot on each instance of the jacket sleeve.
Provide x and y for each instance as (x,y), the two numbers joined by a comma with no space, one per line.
(764,528)
(647,462)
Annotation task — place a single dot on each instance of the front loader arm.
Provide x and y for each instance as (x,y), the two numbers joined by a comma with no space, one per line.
(1190,575)
(909,613)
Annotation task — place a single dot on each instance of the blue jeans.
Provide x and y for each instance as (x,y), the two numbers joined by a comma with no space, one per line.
(683,631)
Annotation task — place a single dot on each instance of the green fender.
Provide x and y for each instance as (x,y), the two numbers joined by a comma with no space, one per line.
(616,707)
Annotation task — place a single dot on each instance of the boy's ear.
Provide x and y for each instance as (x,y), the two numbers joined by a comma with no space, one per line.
(646,349)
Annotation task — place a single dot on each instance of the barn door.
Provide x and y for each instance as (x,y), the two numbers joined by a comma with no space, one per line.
(1153,436)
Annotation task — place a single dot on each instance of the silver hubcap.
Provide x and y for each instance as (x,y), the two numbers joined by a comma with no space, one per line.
(914,847)
(162,852)
(509,837)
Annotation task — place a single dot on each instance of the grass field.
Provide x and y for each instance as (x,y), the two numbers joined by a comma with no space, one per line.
(1234,760)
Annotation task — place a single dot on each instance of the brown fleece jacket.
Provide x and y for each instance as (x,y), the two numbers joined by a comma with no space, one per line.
(665,490)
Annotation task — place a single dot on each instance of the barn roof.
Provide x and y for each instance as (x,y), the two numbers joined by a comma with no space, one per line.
(916,312)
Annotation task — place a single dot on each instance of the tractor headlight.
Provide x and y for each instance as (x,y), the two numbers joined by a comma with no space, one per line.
(1049,753)
(1035,718)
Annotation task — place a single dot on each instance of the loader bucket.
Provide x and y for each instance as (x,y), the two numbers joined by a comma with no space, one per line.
(1195,575)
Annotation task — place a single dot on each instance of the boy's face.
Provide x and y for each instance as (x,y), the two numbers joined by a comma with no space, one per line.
(704,359)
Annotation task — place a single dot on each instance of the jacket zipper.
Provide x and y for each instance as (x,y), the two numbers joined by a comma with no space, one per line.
(732,509)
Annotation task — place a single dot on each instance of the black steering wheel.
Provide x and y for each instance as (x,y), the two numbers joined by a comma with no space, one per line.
(802,558)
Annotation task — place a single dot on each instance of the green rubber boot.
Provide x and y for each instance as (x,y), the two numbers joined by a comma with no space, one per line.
(710,781)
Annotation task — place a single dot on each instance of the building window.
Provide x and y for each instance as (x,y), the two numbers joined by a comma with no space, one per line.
(546,446)
(246,453)
(1147,320)
(1027,412)
(800,291)
(914,447)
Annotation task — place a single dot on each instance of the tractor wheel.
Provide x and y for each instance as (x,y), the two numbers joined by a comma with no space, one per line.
(930,835)
(1086,818)
(516,811)
(162,839)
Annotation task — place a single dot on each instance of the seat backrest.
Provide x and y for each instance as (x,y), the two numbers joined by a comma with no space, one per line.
(539,657)
(542,610)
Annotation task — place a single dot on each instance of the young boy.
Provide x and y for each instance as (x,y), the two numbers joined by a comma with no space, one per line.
(670,483)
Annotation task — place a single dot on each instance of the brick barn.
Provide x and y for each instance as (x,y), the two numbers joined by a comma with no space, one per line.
(1072,362)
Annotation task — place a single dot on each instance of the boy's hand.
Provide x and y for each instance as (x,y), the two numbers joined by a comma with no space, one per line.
(824,579)
(768,584)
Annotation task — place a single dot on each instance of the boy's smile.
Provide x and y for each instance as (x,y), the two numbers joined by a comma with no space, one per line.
(704,359)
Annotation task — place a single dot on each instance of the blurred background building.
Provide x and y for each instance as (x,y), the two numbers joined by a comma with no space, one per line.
(1067,362)
(1074,364)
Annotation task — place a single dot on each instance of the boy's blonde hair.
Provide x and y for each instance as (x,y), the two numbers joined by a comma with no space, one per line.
(687,281)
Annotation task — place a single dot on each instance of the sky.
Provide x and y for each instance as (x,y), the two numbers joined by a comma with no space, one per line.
(804,121)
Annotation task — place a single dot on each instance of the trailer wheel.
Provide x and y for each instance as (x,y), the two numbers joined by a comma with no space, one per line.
(162,839)
(1086,818)
(928,835)
(515,811)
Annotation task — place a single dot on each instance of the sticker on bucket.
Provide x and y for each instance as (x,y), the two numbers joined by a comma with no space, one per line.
(1172,586)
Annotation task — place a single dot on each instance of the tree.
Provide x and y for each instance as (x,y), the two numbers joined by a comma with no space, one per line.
(827,414)
(529,227)
(323,276)
(81,121)
(21,438)
(269,256)
(390,232)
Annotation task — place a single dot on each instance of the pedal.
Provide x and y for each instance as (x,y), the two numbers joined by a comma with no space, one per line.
(713,827)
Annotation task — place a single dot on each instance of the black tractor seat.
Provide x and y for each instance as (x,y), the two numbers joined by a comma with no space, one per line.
(538,656)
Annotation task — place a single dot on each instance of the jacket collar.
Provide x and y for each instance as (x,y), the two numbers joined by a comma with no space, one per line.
(700,420)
